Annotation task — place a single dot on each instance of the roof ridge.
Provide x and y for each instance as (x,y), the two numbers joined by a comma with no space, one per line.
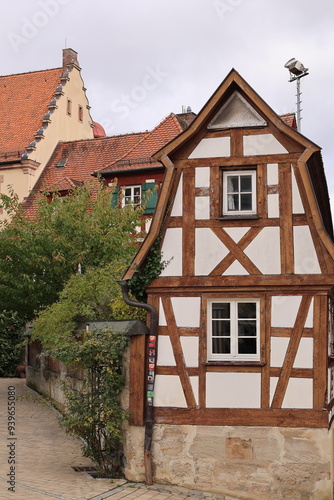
(95,139)
(175,118)
(146,134)
(31,72)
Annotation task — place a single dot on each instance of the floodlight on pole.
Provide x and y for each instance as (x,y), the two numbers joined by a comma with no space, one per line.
(297,70)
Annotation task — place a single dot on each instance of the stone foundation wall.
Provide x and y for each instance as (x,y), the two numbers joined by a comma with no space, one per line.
(244,462)
(49,383)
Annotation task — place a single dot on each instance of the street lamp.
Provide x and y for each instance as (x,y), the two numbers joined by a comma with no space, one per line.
(297,70)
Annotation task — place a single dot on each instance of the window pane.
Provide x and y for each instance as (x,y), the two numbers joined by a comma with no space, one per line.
(246,346)
(246,183)
(233,184)
(246,202)
(247,310)
(233,202)
(221,328)
(247,328)
(221,346)
(221,310)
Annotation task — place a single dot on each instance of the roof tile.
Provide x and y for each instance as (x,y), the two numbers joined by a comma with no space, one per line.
(25,98)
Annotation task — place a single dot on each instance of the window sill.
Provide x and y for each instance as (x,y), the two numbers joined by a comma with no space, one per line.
(239,217)
(234,363)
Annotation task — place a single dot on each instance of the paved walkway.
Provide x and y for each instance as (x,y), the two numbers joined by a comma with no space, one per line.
(37,456)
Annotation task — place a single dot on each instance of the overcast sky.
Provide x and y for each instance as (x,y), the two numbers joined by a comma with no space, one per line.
(142,60)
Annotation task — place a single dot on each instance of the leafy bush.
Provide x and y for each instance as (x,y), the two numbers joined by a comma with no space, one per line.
(11,337)
(94,411)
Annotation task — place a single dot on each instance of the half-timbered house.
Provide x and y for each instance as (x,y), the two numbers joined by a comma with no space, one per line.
(239,370)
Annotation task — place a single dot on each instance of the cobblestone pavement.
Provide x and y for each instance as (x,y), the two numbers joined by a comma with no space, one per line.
(37,456)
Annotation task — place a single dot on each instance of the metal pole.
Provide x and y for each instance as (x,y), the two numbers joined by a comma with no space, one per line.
(298,105)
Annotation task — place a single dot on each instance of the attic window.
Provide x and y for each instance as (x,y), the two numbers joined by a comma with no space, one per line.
(61,163)
(80,113)
(69,107)
(239,193)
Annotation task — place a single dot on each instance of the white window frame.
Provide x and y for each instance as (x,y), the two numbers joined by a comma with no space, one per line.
(226,209)
(233,355)
(131,201)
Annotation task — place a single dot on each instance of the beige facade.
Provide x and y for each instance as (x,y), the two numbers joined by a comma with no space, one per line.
(66,118)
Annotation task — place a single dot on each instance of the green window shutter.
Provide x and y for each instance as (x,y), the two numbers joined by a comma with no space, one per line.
(114,198)
(150,198)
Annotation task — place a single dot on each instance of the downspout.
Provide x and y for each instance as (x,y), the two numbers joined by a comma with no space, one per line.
(149,380)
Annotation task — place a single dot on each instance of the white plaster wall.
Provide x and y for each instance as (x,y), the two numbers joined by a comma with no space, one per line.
(272,174)
(235,269)
(162,317)
(177,209)
(306,260)
(165,352)
(304,356)
(202,207)
(236,233)
(202,177)
(264,251)
(297,204)
(284,311)
(209,251)
(190,350)
(273,206)
(187,311)
(262,144)
(172,251)
(168,391)
(212,148)
(233,390)
(194,381)
(299,392)
(148,225)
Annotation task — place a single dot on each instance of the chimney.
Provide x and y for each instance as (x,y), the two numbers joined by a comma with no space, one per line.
(70,58)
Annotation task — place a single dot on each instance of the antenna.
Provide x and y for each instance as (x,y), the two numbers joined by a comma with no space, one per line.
(297,70)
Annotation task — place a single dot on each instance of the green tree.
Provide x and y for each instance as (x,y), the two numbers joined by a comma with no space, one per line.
(39,253)
(93,296)
(11,338)
(93,411)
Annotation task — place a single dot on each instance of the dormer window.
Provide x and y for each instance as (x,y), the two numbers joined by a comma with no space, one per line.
(239,192)
(61,163)
(132,196)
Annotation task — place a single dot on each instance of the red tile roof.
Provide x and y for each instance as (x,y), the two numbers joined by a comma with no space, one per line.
(290,119)
(139,157)
(73,162)
(23,100)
